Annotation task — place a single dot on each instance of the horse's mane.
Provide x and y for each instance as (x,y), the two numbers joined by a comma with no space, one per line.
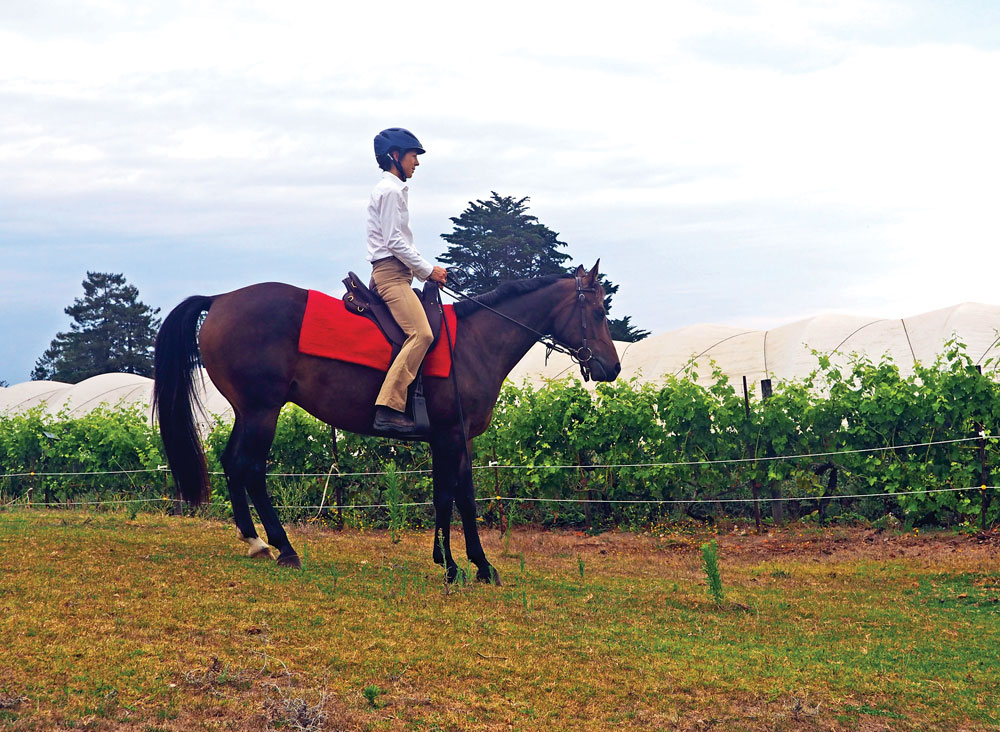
(504,292)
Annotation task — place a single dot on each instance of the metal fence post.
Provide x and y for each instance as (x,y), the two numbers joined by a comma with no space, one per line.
(754,485)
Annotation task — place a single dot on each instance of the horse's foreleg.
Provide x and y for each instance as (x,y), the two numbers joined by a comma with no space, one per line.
(465,501)
(443,469)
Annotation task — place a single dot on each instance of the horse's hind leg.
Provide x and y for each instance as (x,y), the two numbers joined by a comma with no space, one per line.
(255,443)
(236,481)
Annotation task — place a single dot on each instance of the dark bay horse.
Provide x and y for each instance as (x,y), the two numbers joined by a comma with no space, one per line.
(249,347)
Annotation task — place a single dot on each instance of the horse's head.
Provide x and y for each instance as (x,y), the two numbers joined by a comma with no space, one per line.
(580,322)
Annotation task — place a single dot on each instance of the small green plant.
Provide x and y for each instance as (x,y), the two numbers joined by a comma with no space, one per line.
(710,563)
(394,494)
(579,566)
(371,694)
(511,510)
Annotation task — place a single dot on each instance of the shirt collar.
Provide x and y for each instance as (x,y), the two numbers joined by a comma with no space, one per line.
(392,178)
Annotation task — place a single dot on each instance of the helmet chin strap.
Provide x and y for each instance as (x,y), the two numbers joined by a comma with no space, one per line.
(399,166)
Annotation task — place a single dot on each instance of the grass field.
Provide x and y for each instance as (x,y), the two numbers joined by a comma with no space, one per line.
(160,623)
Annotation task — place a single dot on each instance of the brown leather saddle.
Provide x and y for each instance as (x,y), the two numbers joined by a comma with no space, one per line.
(364,301)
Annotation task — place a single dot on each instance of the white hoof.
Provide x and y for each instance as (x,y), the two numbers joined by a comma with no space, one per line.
(258,549)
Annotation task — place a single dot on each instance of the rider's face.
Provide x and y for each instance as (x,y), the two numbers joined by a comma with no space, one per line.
(409,162)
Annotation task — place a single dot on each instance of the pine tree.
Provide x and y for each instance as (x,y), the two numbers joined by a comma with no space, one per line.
(497,240)
(113,332)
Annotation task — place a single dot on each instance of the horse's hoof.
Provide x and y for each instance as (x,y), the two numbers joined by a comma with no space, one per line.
(262,553)
(289,559)
(451,574)
(489,575)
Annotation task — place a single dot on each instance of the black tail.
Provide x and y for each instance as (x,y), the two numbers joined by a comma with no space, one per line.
(174,362)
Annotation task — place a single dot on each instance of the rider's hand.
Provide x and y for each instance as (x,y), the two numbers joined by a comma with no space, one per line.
(439,275)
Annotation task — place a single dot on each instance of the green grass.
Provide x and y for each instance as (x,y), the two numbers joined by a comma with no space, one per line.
(161,623)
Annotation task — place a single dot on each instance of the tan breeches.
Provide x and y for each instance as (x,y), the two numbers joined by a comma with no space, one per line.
(393,281)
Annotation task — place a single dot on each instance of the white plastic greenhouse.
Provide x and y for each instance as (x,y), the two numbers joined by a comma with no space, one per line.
(780,353)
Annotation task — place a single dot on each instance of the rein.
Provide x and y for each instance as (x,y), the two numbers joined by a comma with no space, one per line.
(551,344)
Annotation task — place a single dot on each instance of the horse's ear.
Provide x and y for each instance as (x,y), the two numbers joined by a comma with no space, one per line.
(592,275)
(580,271)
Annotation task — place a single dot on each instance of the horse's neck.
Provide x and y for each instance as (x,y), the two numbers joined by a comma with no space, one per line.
(501,343)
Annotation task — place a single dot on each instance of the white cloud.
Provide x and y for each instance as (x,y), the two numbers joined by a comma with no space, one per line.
(736,160)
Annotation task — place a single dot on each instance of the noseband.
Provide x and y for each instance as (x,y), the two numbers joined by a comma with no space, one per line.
(581,356)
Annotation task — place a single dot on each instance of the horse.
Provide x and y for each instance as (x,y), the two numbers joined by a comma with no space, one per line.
(248,344)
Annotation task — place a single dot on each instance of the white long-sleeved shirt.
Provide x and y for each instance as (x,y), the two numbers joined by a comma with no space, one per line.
(389,232)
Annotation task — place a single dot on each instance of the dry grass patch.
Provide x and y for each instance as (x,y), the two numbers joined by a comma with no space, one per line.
(160,623)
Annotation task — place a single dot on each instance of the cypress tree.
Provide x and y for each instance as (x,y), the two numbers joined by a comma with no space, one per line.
(112,332)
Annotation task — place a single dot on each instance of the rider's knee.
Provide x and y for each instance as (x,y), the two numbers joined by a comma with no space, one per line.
(422,336)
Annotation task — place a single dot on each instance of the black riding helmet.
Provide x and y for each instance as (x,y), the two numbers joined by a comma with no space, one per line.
(396,138)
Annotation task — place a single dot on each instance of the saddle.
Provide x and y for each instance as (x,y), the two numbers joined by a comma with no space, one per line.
(364,301)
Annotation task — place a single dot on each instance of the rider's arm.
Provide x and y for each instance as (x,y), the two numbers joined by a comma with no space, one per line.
(397,237)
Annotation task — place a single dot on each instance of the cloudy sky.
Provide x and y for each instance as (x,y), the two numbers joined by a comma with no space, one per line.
(729,161)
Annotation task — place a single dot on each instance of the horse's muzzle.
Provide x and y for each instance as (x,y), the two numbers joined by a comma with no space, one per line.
(600,372)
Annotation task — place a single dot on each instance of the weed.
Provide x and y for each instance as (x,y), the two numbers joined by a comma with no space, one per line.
(371,694)
(394,495)
(710,563)
(579,566)
(294,712)
(511,511)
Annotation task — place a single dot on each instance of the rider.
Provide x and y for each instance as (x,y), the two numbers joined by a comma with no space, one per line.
(395,262)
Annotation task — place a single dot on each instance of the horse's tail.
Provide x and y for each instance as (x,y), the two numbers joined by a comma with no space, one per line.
(176,357)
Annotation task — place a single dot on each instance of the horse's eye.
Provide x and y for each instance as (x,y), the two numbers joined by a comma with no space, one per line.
(599,315)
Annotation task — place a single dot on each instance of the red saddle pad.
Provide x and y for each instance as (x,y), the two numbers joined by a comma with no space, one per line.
(329,330)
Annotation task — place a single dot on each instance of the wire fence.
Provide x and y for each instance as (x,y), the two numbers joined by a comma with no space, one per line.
(26,500)
(517,499)
(497,466)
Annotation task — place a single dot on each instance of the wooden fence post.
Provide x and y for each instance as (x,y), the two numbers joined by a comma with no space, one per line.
(777,507)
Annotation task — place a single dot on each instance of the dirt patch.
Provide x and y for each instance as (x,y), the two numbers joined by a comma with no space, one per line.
(744,545)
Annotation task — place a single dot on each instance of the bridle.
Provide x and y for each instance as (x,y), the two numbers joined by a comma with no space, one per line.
(581,356)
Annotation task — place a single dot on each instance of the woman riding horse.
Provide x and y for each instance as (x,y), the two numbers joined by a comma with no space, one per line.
(395,261)
(248,344)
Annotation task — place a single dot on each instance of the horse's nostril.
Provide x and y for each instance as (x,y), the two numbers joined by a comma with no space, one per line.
(618,368)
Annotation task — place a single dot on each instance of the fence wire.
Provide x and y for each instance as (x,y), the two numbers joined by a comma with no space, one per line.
(26,500)
(516,499)
(497,466)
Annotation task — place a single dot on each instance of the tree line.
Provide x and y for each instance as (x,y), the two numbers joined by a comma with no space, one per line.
(493,240)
